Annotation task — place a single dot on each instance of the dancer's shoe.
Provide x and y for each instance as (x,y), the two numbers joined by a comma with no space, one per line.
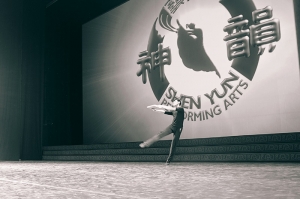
(143,145)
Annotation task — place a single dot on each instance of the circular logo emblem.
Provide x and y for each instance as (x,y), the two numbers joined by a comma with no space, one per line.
(186,55)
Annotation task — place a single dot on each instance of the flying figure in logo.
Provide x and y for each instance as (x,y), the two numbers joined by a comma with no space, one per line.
(191,49)
(176,127)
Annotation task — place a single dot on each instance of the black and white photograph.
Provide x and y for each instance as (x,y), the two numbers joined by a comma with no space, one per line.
(149,99)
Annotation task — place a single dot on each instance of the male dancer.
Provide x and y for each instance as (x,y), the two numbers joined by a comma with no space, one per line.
(175,127)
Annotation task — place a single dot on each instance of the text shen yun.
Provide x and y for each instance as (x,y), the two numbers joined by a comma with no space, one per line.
(193,109)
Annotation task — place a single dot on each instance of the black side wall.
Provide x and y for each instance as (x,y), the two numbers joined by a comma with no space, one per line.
(297,19)
(63,68)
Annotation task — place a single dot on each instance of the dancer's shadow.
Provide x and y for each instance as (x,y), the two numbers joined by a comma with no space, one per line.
(191,49)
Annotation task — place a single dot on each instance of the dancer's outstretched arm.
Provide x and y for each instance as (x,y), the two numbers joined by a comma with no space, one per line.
(157,110)
(166,108)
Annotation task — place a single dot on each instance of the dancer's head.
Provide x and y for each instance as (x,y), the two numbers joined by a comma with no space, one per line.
(190,26)
(176,103)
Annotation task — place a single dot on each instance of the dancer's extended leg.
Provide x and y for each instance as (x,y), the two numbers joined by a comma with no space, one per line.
(157,137)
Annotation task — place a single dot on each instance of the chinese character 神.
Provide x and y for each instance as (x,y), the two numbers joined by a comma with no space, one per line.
(157,60)
(264,32)
(160,58)
(237,38)
(145,65)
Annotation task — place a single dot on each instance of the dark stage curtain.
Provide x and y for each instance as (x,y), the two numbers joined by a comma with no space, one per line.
(32,77)
(21,65)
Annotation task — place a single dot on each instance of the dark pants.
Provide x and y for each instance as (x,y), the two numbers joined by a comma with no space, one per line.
(167,131)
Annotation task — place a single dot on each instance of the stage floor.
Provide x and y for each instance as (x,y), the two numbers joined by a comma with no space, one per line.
(148,180)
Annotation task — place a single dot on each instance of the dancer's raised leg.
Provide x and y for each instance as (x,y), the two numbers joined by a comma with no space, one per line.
(157,137)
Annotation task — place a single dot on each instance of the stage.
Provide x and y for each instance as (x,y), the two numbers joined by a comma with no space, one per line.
(43,179)
(78,76)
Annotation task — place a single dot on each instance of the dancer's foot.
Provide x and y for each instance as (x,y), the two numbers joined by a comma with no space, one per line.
(143,145)
(168,162)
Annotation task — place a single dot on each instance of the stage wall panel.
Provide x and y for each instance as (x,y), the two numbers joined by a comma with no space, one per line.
(258,94)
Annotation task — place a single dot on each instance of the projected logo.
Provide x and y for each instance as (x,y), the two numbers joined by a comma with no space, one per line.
(178,65)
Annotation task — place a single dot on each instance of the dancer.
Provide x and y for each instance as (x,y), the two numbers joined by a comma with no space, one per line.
(176,127)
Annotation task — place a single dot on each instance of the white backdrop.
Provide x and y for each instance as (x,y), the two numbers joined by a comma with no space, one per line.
(115,99)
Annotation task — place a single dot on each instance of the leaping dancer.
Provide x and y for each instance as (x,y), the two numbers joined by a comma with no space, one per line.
(176,127)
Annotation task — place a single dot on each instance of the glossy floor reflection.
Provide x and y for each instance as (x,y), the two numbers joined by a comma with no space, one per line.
(148,180)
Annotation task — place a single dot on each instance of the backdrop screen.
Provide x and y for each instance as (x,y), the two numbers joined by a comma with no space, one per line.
(234,65)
